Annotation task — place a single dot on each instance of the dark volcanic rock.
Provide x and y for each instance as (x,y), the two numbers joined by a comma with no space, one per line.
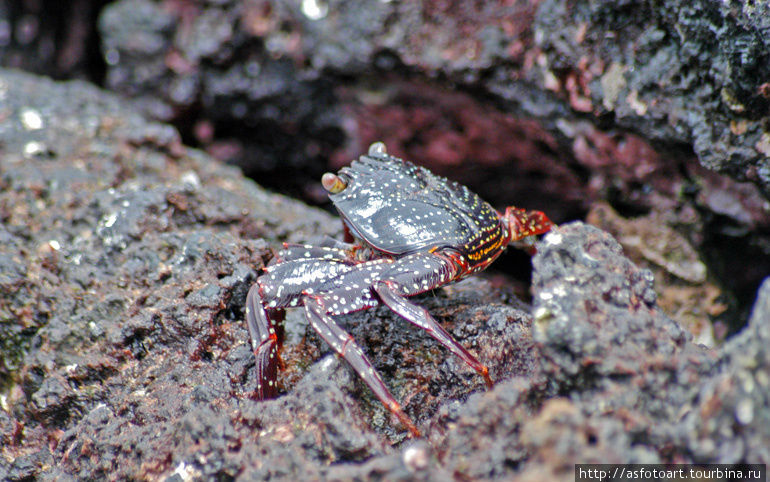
(51,37)
(230,65)
(595,312)
(694,72)
(731,420)
(124,264)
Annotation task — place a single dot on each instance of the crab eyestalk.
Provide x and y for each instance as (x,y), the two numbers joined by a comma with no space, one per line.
(333,183)
(377,148)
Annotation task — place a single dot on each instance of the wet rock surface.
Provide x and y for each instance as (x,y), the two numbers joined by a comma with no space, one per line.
(696,71)
(124,264)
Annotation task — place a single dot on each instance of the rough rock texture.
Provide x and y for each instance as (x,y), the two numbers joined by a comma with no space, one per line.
(124,263)
(694,72)
(684,290)
(730,421)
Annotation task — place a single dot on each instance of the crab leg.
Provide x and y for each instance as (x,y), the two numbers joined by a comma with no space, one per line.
(281,286)
(264,344)
(347,348)
(419,316)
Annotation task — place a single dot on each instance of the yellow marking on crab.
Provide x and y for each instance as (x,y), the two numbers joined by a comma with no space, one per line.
(475,256)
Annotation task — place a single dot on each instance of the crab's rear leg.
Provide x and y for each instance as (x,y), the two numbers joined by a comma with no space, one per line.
(265,342)
(389,293)
(346,347)
(281,286)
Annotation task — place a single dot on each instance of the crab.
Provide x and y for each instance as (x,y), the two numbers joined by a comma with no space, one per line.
(408,231)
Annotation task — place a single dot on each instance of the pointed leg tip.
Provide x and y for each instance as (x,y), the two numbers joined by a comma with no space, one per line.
(402,417)
(414,432)
(487,379)
(489,382)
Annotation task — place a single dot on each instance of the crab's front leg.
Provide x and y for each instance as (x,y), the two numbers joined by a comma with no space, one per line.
(347,348)
(419,316)
(416,274)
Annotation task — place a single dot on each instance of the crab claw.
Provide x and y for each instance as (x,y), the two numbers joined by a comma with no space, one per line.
(333,183)
(523,223)
(524,226)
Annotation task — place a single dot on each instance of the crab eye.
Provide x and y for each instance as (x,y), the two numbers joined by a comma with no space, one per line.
(333,183)
(377,149)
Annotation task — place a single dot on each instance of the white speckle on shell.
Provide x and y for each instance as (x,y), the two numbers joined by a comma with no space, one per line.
(109,220)
(540,313)
(545,295)
(190,180)
(327,363)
